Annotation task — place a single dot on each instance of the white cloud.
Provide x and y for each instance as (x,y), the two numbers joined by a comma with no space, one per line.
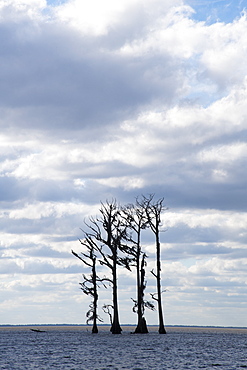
(99,18)
(224,153)
(92,17)
(206,218)
(224,58)
(23,5)
(167,35)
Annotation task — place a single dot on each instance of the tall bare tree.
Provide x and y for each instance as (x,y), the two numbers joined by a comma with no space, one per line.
(136,219)
(107,232)
(89,285)
(153,209)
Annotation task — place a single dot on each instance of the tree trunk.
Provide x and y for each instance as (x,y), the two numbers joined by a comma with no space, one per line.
(95,300)
(141,325)
(162,329)
(115,328)
(95,328)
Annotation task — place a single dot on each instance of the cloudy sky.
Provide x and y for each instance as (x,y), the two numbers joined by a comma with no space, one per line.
(113,99)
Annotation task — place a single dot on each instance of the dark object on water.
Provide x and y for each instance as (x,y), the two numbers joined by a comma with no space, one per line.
(38,330)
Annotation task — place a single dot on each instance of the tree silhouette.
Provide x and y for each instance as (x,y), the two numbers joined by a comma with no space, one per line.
(89,286)
(153,209)
(107,233)
(136,219)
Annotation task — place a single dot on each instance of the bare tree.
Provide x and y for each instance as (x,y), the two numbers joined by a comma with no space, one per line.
(153,209)
(107,232)
(89,285)
(136,219)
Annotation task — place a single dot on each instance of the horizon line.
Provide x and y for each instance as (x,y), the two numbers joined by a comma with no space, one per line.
(151,325)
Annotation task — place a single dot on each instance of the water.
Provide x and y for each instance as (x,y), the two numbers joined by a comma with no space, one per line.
(76,348)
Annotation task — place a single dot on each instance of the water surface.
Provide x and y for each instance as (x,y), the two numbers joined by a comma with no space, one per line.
(76,348)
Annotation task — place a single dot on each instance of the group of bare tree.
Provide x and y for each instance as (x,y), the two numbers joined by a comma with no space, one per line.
(114,239)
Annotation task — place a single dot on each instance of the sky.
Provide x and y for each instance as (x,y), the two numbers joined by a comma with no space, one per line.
(112,100)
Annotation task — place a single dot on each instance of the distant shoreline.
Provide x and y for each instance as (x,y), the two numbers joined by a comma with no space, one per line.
(125,327)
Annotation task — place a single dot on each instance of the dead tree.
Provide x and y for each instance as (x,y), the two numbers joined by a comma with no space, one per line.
(90,284)
(135,217)
(107,233)
(153,211)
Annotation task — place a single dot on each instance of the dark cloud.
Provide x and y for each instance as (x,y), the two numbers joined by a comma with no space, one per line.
(189,193)
(178,252)
(45,251)
(58,80)
(11,189)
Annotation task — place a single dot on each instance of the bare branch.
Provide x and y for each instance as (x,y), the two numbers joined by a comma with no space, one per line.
(153,273)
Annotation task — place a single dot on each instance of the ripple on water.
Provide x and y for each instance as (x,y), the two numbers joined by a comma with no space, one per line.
(80,350)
